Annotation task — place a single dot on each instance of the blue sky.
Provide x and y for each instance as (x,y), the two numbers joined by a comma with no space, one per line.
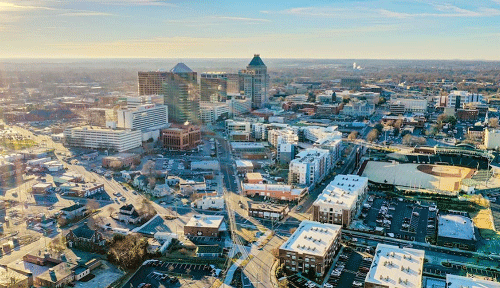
(370,29)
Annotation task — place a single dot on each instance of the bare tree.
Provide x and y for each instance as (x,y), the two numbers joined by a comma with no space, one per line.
(110,209)
(353,135)
(92,205)
(493,122)
(148,168)
(372,136)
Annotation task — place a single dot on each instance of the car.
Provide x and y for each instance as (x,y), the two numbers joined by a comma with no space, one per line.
(357,283)
(415,214)
(430,226)
(328,285)
(123,199)
(367,258)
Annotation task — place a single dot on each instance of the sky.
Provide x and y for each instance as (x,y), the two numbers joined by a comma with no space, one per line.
(341,29)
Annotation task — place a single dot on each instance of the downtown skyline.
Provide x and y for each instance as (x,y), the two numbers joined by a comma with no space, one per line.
(223,29)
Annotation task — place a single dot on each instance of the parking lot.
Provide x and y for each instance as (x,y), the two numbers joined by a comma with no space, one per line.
(400,218)
(350,270)
(165,274)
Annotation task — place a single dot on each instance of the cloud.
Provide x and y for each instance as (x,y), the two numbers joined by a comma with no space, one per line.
(7,6)
(135,2)
(243,19)
(448,10)
(311,11)
(85,14)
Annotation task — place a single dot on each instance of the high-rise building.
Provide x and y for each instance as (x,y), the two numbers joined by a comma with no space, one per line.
(234,83)
(256,81)
(181,94)
(213,87)
(150,82)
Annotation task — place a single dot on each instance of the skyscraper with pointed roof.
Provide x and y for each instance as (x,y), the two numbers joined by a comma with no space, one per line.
(181,94)
(256,81)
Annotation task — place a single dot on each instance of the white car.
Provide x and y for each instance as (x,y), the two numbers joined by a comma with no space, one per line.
(356,283)
(328,285)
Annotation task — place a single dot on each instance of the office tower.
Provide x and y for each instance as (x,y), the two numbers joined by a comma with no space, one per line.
(181,94)
(234,83)
(213,87)
(145,117)
(256,81)
(150,82)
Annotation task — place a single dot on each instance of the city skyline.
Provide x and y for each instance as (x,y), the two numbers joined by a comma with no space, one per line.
(182,29)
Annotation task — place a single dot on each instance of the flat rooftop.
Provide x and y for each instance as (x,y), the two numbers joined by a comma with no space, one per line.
(336,198)
(254,176)
(396,267)
(247,145)
(209,221)
(273,187)
(351,183)
(455,281)
(312,238)
(267,207)
(456,226)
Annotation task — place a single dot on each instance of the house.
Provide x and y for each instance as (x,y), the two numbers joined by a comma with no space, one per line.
(140,182)
(41,188)
(81,271)
(161,190)
(57,276)
(128,214)
(209,203)
(209,251)
(84,238)
(73,211)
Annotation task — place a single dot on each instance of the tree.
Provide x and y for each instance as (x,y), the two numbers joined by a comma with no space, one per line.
(398,124)
(407,139)
(493,122)
(353,135)
(379,127)
(110,209)
(92,205)
(346,100)
(148,168)
(372,136)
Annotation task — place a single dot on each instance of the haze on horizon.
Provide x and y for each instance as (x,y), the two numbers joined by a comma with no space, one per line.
(344,29)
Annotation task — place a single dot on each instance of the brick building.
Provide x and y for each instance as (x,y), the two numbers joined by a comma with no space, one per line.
(181,137)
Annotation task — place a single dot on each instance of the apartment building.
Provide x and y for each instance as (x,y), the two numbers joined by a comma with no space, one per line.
(239,105)
(275,137)
(311,246)
(340,200)
(103,138)
(395,267)
(212,112)
(315,133)
(309,167)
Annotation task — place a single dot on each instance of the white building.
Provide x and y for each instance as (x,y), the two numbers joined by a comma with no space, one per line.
(149,119)
(161,190)
(358,108)
(237,126)
(491,138)
(332,144)
(315,133)
(309,167)
(395,267)
(239,105)
(209,203)
(211,112)
(134,102)
(408,105)
(96,138)
(455,281)
(285,153)
(276,137)
(456,99)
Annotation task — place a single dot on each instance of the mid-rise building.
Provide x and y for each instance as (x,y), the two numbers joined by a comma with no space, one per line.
(491,138)
(408,105)
(285,153)
(134,102)
(103,138)
(149,119)
(256,81)
(456,231)
(212,112)
(311,247)
(213,87)
(340,200)
(181,94)
(277,137)
(239,105)
(456,99)
(309,167)
(358,108)
(315,133)
(394,267)
(456,281)
(181,137)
